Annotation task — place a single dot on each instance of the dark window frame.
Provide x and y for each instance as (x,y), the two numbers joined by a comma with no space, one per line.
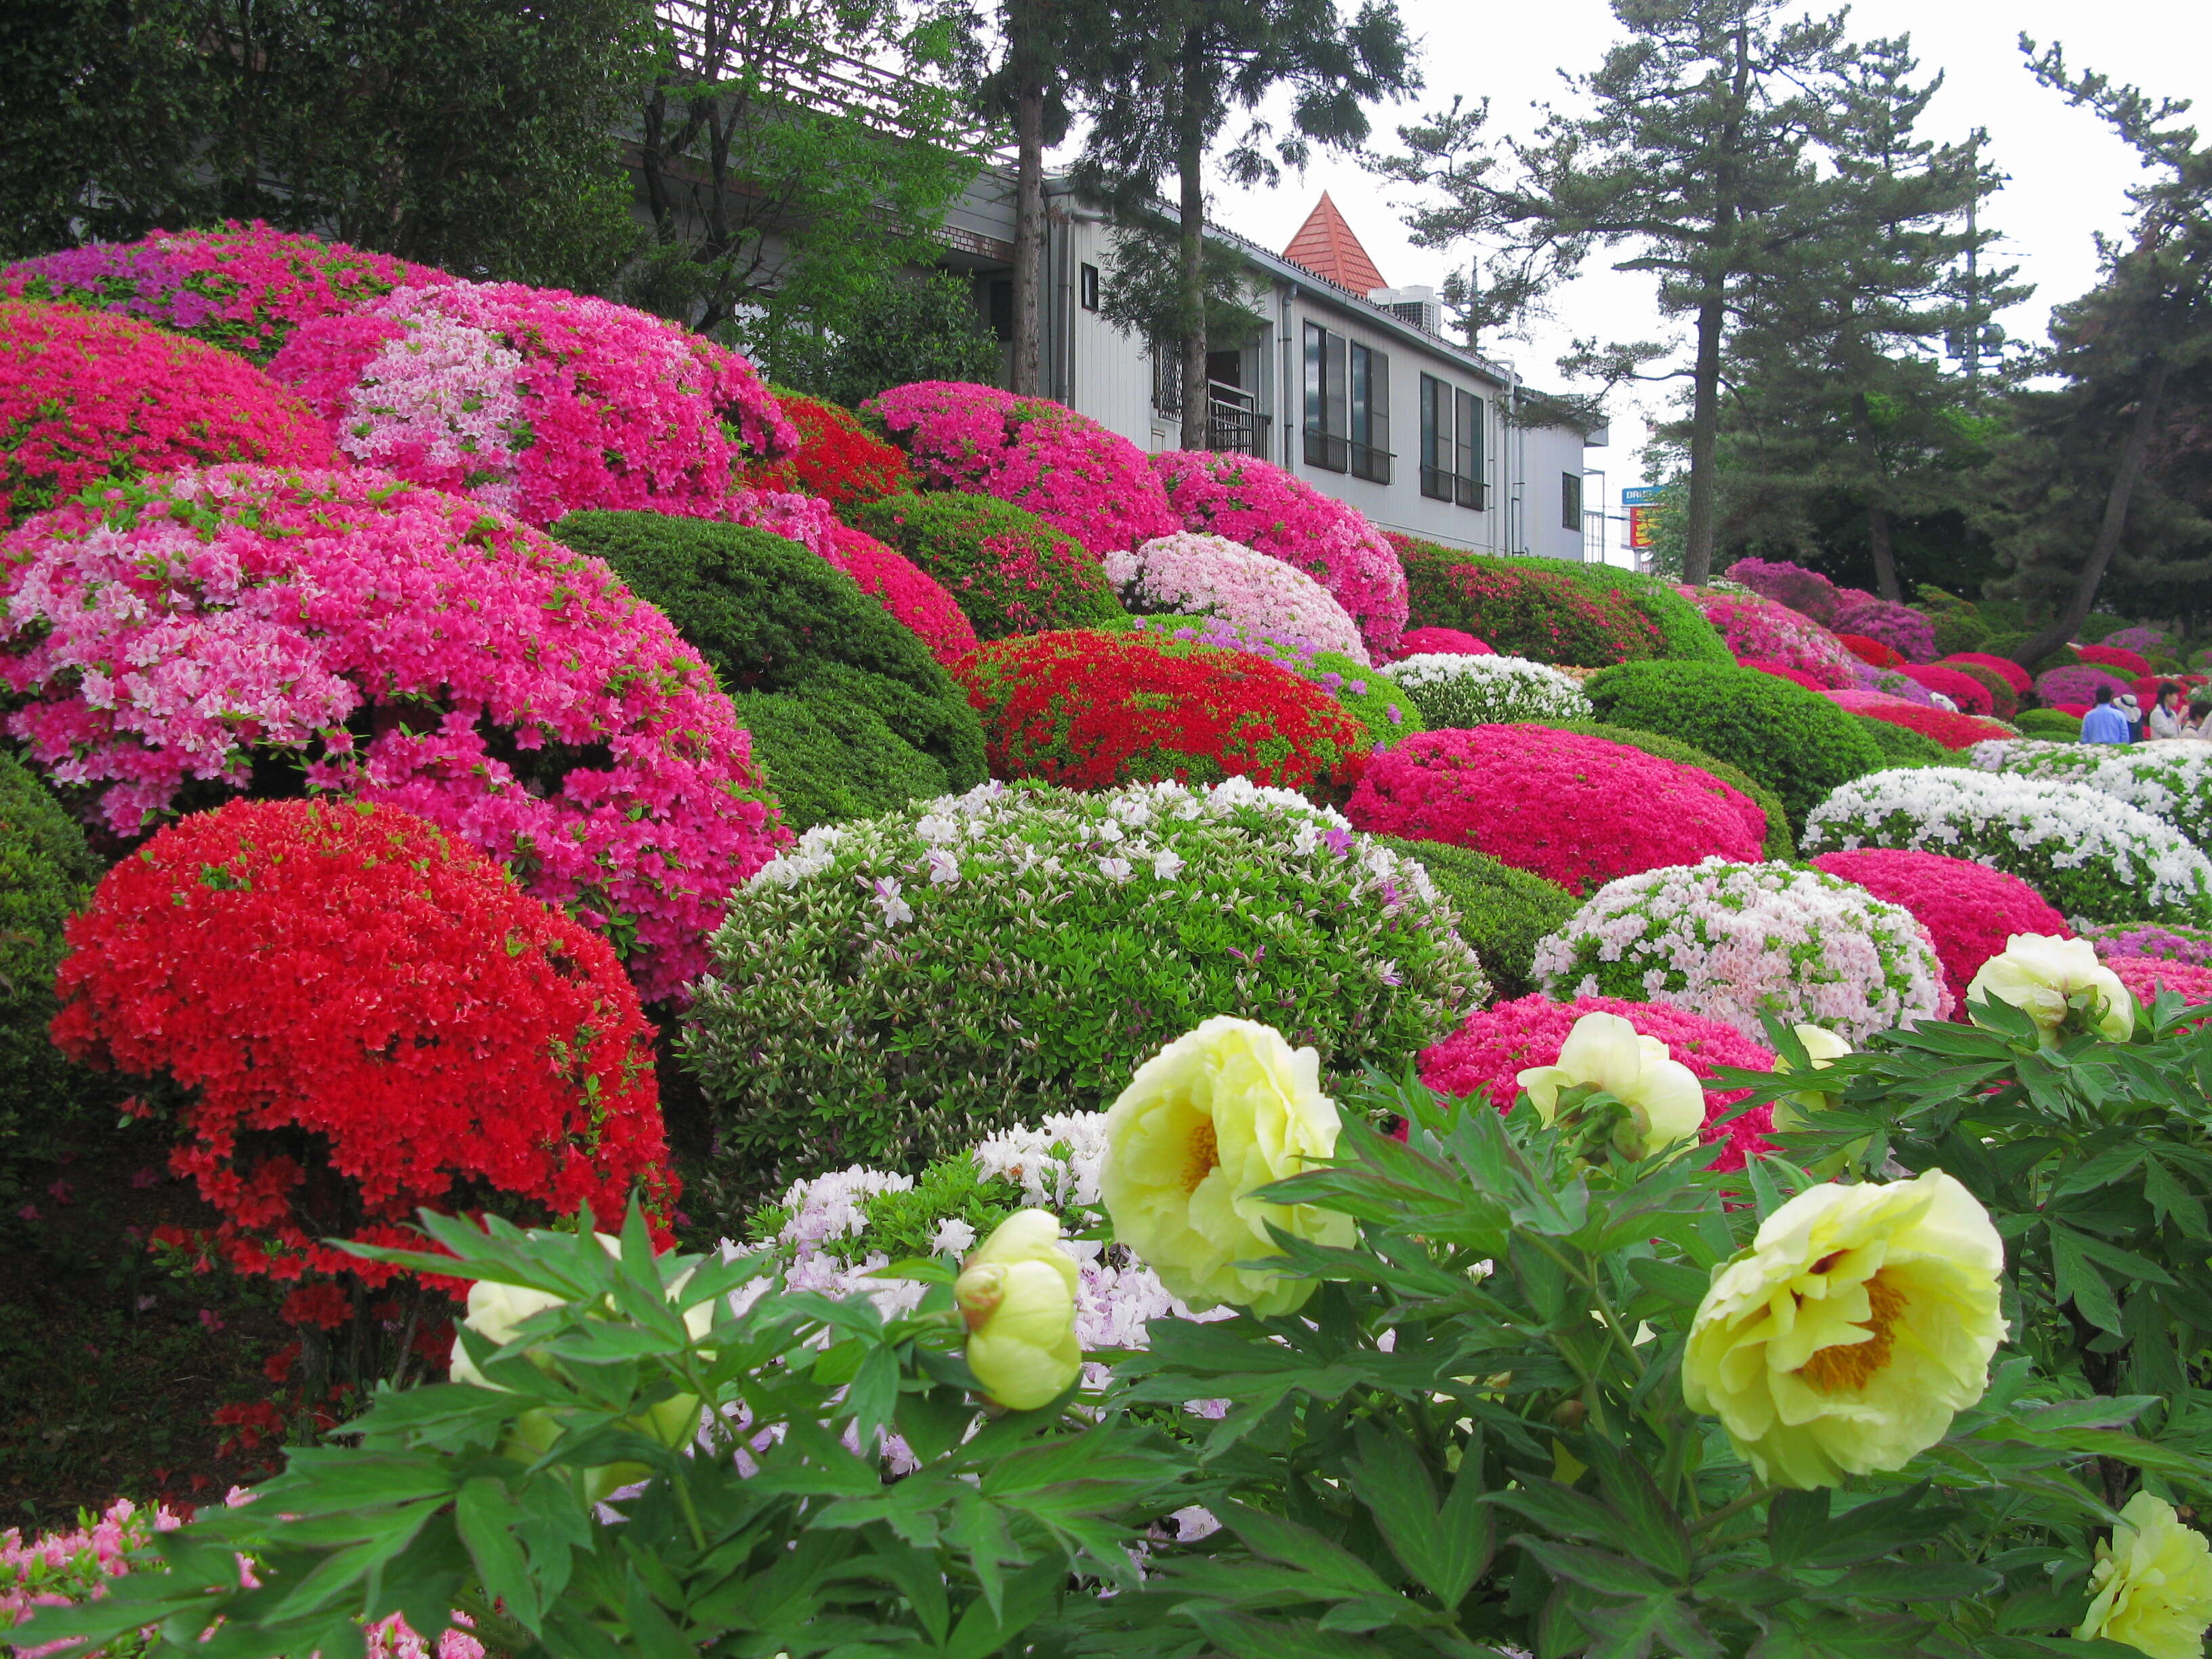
(1570,501)
(1327,439)
(1368,427)
(1087,283)
(1451,443)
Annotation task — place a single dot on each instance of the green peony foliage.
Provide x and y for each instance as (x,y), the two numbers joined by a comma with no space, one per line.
(1503,911)
(1795,741)
(890,991)
(1779,843)
(45,876)
(1007,569)
(849,713)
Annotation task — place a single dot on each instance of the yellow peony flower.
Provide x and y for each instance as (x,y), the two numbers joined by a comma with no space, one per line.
(1822,1047)
(1017,1294)
(2154,1583)
(1218,1113)
(1861,1320)
(1665,1099)
(2049,978)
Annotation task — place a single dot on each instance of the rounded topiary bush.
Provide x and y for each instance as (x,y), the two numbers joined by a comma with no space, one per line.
(1089,708)
(1375,699)
(1463,690)
(1503,911)
(1875,654)
(1195,575)
(2080,683)
(902,587)
(1968,694)
(1737,942)
(2052,724)
(1908,632)
(849,713)
(2169,781)
(244,288)
(1008,570)
(2003,701)
(238,630)
(1794,741)
(1778,841)
(1575,809)
(45,875)
(1760,631)
(1441,641)
(85,397)
(2016,679)
(2131,664)
(1941,726)
(1482,1059)
(2095,859)
(1969,909)
(1806,591)
(365,1017)
(837,460)
(1901,746)
(2149,978)
(2170,941)
(1530,608)
(891,990)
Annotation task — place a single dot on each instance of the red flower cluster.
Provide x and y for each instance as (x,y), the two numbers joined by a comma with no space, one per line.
(838,460)
(85,395)
(906,591)
(1969,909)
(2004,667)
(2133,664)
(1531,612)
(1090,709)
(1483,1056)
(1962,688)
(1952,730)
(368,1018)
(1575,809)
(1871,651)
(1440,642)
(1783,670)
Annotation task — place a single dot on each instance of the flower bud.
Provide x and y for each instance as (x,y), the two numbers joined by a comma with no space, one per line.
(1017,1296)
(2060,984)
(1666,1102)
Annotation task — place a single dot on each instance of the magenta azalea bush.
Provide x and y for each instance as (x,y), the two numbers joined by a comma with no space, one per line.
(1908,632)
(1192,575)
(1441,643)
(1078,478)
(1806,591)
(1762,631)
(536,401)
(2144,640)
(2078,683)
(243,630)
(1266,509)
(244,288)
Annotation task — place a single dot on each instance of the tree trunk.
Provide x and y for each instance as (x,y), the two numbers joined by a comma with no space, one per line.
(2133,453)
(1705,437)
(1884,554)
(1190,157)
(1028,207)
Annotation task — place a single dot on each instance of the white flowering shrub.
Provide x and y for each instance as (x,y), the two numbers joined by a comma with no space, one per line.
(1456,691)
(891,991)
(1734,942)
(2171,781)
(1189,574)
(2095,857)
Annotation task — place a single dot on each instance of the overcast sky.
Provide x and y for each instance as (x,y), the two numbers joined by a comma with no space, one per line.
(2068,175)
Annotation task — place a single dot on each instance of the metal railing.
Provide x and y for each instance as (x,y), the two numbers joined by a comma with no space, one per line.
(1233,421)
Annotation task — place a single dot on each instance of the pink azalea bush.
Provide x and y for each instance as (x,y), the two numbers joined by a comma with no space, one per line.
(2078,683)
(1807,592)
(1190,575)
(2145,641)
(2147,976)
(1969,909)
(536,401)
(1759,631)
(239,629)
(807,520)
(1575,809)
(2171,940)
(1441,643)
(1266,509)
(1481,1059)
(1078,478)
(905,590)
(1908,632)
(244,288)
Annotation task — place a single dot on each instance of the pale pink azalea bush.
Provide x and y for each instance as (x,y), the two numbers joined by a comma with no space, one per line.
(1259,504)
(1083,480)
(807,520)
(1192,575)
(1761,630)
(536,401)
(232,629)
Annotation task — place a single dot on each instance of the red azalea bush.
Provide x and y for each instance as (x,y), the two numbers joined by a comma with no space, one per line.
(244,288)
(1969,909)
(1089,709)
(2004,702)
(1441,643)
(1962,688)
(2003,667)
(1575,809)
(839,460)
(1482,1058)
(906,590)
(1523,608)
(1071,472)
(366,1017)
(1952,730)
(1783,672)
(198,634)
(2147,976)
(2133,664)
(86,396)
(1873,653)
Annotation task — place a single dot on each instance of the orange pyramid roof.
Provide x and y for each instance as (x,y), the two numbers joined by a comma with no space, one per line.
(1326,247)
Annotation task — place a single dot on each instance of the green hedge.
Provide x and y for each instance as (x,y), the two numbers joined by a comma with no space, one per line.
(1780,843)
(1554,610)
(2054,725)
(1007,569)
(45,876)
(1902,747)
(854,717)
(1504,912)
(1795,741)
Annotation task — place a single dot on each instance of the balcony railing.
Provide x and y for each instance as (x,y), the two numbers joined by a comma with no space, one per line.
(1233,421)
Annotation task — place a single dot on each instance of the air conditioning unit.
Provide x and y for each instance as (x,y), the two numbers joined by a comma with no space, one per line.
(1418,306)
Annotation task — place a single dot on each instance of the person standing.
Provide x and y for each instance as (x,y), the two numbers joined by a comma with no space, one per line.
(2165,716)
(2104,723)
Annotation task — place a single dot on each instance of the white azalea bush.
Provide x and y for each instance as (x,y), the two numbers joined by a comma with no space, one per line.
(1453,691)
(2095,857)
(1742,942)
(2170,780)
(890,991)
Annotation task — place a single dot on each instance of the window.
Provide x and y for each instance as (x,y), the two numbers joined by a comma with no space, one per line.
(1002,308)
(1091,288)
(1369,401)
(1570,501)
(1328,443)
(1451,443)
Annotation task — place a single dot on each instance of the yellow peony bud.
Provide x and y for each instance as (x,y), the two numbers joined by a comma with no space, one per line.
(1217,1113)
(1822,1047)
(2050,979)
(1861,1320)
(1665,1101)
(2153,1583)
(1017,1294)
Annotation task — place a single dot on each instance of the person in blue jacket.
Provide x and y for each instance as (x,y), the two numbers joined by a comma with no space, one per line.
(2106,723)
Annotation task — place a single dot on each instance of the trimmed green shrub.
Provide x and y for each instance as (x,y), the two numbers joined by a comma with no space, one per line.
(856,717)
(1007,569)
(1960,628)
(1795,741)
(1503,911)
(1902,747)
(1685,635)
(2051,724)
(2099,623)
(1779,843)
(45,876)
